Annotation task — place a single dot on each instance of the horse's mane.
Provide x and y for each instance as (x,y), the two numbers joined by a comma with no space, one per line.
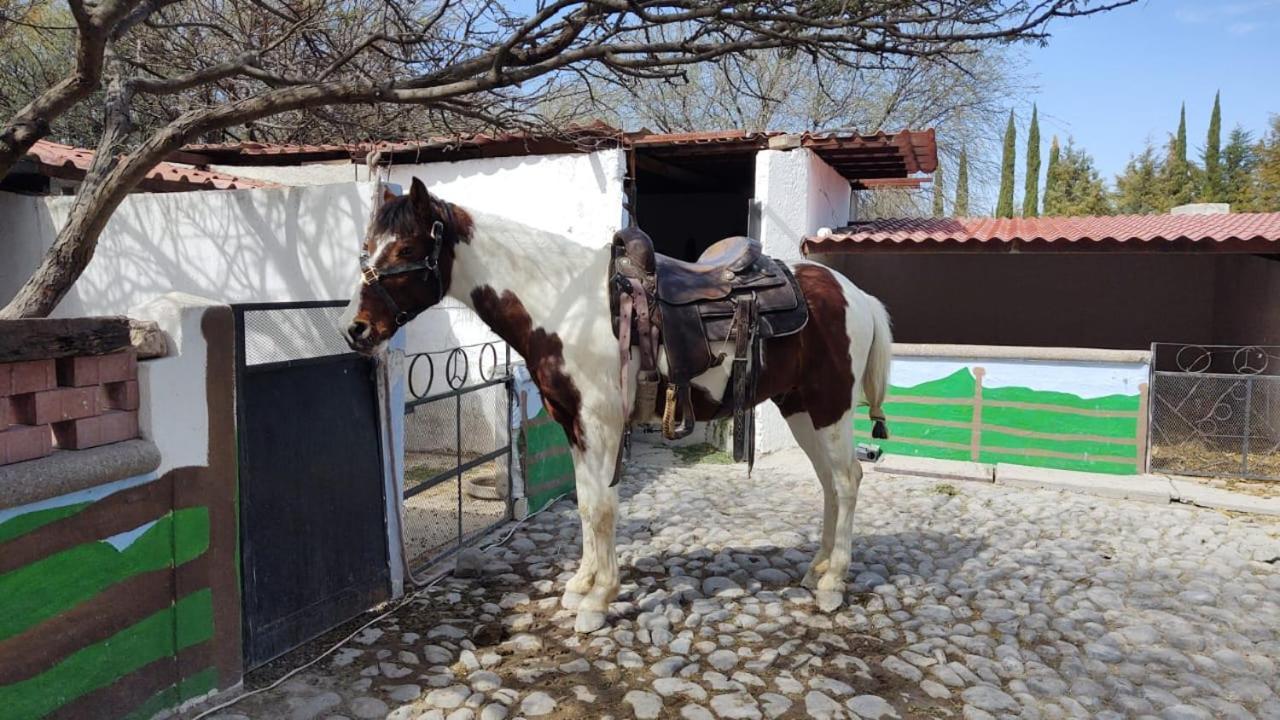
(396,217)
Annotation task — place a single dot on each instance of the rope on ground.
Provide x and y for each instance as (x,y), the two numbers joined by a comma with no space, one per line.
(403,601)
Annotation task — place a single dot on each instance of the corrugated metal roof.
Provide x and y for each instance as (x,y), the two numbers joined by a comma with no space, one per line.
(69,162)
(1246,232)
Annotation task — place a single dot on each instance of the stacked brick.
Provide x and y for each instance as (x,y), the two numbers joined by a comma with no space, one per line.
(69,403)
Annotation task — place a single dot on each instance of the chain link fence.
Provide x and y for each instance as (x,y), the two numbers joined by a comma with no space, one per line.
(1215,411)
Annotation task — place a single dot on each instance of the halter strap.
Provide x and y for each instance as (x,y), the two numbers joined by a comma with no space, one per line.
(372,277)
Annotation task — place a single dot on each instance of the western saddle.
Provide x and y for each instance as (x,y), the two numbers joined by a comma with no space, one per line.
(733,294)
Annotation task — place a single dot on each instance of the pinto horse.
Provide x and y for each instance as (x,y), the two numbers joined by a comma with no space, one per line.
(548,298)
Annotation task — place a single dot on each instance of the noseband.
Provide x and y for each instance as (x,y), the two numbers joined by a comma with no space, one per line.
(372,277)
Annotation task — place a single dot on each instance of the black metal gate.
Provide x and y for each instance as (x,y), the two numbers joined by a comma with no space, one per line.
(1215,410)
(458,451)
(313,536)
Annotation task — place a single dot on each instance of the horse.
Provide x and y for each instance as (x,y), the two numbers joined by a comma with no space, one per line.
(546,296)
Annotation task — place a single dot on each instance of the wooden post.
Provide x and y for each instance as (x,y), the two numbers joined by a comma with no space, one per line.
(1143,418)
(975,441)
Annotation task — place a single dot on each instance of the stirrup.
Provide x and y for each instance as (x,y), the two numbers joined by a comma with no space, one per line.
(677,397)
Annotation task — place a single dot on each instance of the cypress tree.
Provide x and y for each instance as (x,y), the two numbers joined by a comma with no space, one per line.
(1178,185)
(1214,184)
(939,209)
(1180,142)
(1031,193)
(1050,177)
(961,207)
(1004,204)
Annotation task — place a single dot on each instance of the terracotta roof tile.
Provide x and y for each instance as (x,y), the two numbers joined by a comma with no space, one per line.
(1053,233)
(73,162)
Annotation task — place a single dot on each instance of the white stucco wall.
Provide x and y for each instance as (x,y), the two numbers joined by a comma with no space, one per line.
(26,228)
(327,173)
(798,193)
(230,247)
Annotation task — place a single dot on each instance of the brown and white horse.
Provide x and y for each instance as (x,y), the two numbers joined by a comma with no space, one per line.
(548,298)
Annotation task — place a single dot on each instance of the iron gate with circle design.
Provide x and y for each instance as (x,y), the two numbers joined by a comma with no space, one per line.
(1215,410)
(458,450)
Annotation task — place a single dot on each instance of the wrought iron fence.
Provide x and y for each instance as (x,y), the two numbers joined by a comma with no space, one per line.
(1215,410)
(458,449)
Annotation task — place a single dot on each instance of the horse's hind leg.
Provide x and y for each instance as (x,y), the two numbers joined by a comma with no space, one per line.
(807,437)
(846,478)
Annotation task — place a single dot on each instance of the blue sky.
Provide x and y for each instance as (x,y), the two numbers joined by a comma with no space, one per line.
(1112,81)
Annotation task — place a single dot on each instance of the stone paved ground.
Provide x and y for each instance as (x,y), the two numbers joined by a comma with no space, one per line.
(965,601)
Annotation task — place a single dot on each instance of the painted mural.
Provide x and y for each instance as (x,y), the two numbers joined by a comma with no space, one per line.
(1070,415)
(107,603)
(123,600)
(543,447)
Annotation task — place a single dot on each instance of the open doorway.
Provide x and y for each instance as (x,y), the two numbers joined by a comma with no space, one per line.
(688,200)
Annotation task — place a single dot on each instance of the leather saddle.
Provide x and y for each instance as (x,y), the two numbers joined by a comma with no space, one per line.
(732,295)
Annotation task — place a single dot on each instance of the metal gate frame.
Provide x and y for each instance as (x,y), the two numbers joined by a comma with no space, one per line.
(1238,371)
(457,373)
(384,583)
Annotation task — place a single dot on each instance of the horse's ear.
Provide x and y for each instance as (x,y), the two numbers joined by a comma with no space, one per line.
(387,195)
(420,198)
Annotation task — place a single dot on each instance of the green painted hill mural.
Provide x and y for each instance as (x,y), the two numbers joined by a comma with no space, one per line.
(955,418)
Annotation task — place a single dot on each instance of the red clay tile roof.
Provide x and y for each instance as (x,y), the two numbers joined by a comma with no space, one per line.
(71,163)
(1242,232)
(854,155)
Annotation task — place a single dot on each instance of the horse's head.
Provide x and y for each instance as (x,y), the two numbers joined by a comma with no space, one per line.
(406,264)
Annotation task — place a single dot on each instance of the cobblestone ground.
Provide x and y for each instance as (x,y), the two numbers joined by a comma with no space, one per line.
(965,601)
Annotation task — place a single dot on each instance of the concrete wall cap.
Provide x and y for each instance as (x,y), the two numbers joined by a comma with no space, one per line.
(1016,352)
(69,471)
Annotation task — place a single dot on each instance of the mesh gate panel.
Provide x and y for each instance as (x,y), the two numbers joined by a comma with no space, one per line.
(298,333)
(1215,424)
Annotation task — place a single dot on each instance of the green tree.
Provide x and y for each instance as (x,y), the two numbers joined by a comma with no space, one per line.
(1138,188)
(1031,193)
(1213,188)
(1239,159)
(1004,204)
(939,204)
(1177,179)
(1078,188)
(961,208)
(1050,186)
(1264,191)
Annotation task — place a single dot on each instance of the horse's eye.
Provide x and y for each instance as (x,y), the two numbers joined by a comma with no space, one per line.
(404,252)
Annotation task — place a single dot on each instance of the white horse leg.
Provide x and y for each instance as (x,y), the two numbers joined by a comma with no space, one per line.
(580,584)
(807,438)
(846,475)
(598,505)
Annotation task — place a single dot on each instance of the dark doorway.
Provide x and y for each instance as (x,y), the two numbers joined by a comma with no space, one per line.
(313,533)
(688,201)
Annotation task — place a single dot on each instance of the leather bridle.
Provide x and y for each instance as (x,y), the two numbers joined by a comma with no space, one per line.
(371,276)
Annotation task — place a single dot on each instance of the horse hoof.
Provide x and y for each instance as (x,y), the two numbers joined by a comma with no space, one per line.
(829,600)
(589,621)
(810,581)
(570,600)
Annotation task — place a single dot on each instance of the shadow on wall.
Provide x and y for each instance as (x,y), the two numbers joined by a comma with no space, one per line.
(237,246)
(26,229)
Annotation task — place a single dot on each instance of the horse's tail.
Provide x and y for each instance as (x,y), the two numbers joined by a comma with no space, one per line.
(875,378)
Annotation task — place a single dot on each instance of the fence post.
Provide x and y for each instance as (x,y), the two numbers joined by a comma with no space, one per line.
(1144,415)
(1248,416)
(975,437)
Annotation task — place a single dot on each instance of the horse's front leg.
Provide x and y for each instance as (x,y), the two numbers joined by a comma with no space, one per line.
(596,584)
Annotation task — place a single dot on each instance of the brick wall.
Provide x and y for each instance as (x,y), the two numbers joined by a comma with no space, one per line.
(69,403)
